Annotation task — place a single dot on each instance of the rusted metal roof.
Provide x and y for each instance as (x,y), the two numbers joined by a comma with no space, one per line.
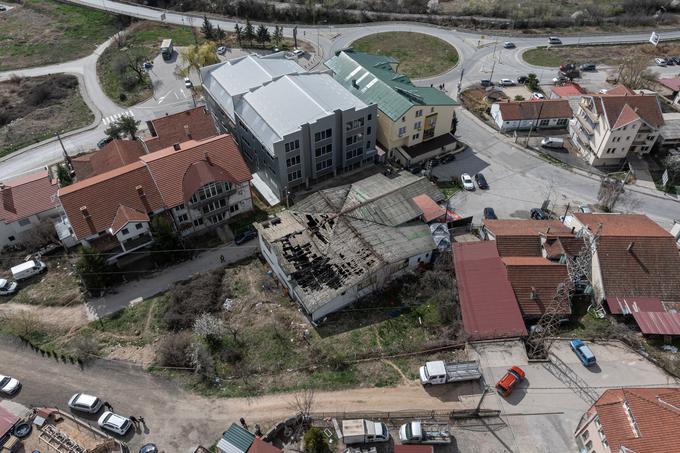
(621,305)
(7,421)
(487,301)
(658,323)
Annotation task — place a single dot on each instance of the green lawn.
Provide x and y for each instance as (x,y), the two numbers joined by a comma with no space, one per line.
(42,32)
(419,55)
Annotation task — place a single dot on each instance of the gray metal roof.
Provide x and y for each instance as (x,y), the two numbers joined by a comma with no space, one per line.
(670,130)
(235,440)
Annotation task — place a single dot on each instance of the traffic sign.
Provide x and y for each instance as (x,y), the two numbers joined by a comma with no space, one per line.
(654,38)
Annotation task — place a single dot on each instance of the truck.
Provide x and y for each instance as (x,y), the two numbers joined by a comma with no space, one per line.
(509,381)
(419,432)
(439,372)
(28,269)
(363,431)
(166,49)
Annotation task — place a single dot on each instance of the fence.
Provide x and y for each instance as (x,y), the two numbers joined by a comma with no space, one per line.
(398,416)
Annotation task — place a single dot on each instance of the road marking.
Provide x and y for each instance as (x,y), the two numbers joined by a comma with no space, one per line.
(113,118)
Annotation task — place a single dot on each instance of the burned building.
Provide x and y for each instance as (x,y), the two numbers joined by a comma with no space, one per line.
(340,244)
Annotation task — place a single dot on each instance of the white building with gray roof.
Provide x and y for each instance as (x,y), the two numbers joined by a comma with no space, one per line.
(340,244)
(294,128)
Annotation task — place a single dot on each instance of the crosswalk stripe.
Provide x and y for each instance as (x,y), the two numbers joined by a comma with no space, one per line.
(116,116)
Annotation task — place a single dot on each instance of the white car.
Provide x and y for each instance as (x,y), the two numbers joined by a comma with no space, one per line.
(466,180)
(509,45)
(188,83)
(661,61)
(537,95)
(85,403)
(222,50)
(9,385)
(7,288)
(507,82)
(298,53)
(114,423)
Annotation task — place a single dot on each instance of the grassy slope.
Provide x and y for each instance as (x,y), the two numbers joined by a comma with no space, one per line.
(419,55)
(601,55)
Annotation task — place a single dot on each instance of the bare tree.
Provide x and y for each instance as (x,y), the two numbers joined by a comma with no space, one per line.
(635,74)
(120,39)
(303,402)
(609,192)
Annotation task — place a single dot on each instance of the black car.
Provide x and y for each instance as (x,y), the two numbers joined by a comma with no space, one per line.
(670,61)
(588,67)
(448,158)
(676,60)
(245,235)
(103,142)
(522,79)
(539,214)
(486,83)
(489,214)
(481,181)
(434,163)
(416,170)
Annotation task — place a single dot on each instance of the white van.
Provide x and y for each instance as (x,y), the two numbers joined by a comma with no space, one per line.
(552,142)
(28,269)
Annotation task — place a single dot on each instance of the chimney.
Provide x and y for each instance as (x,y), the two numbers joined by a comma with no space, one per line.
(142,197)
(187,130)
(7,198)
(176,147)
(547,231)
(206,156)
(630,246)
(88,219)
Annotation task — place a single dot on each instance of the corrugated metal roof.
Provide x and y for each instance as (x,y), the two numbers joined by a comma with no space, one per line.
(620,305)
(658,323)
(7,421)
(235,440)
(487,300)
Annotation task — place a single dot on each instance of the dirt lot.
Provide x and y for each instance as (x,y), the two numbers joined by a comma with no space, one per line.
(36,108)
(519,90)
(600,55)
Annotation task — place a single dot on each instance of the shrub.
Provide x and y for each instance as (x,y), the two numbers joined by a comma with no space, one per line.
(85,348)
(315,441)
(174,351)
(93,270)
(191,299)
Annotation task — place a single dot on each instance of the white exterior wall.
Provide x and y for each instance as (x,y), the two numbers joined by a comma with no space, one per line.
(509,126)
(22,232)
(593,436)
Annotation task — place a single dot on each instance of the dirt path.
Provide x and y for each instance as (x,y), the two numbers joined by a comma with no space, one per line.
(66,318)
(404,379)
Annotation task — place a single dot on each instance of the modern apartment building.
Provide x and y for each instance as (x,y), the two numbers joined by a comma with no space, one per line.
(608,128)
(413,122)
(294,128)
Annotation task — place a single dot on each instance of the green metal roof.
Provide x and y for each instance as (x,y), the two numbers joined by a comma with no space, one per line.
(372,79)
(236,439)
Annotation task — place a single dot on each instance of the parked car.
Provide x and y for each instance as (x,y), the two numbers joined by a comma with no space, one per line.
(507,83)
(85,403)
(434,162)
(3,8)
(439,372)
(188,83)
(583,352)
(28,269)
(660,61)
(9,385)
(364,432)
(466,180)
(114,423)
(538,214)
(222,50)
(416,169)
(103,142)
(490,214)
(522,79)
(585,209)
(481,181)
(560,79)
(507,383)
(509,45)
(7,288)
(148,65)
(553,40)
(676,60)
(148,448)
(670,61)
(298,53)
(245,235)
(552,142)
(537,95)
(447,158)
(588,67)
(486,83)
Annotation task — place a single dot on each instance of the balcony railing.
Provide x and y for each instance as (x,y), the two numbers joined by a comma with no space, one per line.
(587,125)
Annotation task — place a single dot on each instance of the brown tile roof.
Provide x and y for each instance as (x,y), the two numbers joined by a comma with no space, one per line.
(431,210)
(527,110)
(656,413)
(169,167)
(103,194)
(114,154)
(522,237)
(558,246)
(260,446)
(534,281)
(125,215)
(620,90)
(645,106)
(568,90)
(193,124)
(622,224)
(27,195)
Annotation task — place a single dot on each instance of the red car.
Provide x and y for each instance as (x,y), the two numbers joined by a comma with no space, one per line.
(514,376)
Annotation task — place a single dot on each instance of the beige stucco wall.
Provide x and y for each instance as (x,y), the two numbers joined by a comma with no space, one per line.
(388,130)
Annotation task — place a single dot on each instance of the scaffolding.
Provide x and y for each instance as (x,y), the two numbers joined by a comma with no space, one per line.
(578,267)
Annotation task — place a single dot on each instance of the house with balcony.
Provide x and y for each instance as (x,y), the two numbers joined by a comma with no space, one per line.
(414,123)
(194,185)
(524,115)
(295,129)
(609,128)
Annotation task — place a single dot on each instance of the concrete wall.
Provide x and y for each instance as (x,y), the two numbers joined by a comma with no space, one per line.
(16,233)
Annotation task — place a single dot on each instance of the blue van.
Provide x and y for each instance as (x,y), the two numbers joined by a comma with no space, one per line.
(583,352)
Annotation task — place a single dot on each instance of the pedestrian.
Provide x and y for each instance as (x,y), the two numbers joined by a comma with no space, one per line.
(134,420)
(243,423)
(107,406)
(221,258)
(142,421)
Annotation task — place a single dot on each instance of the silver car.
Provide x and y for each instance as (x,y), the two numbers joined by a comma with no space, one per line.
(114,423)
(85,403)
(9,385)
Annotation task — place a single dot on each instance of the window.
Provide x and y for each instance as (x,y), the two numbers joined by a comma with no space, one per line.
(295,160)
(370,116)
(323,135)
(138,226)
(651,137)
(354,153)
(324,164)
(562,122)
(293,176)
(125,231)
(198,221)
(209,191)
(625,127)
(585,435)
(24,222)
(403,119)
(589,444)
(180,207)
(368,144)
(544,122)
(368,130)
(325,149)
(415,136)
(233,208)
(354,124)
(402,131)
(419,113)
(183,218)
(292,146)
(644,148)
(418,125)
(628,138)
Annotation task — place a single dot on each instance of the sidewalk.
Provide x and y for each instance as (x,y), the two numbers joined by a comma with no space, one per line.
(165,278)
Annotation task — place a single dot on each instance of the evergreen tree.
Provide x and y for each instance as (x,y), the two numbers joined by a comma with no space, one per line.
(239,34)
(220,35)
(64,176)
(249,33)
(278,35)
(207,29)
(93,270)
(164,241)
(263,35)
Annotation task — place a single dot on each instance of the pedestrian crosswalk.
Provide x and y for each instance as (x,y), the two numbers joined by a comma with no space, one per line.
(112,118)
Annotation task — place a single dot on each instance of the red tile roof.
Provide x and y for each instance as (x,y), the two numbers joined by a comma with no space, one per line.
(656,414)
(672,84)
(568,90)
(645,106)
(528,110)
(114,154)
(193,124)
(620,90)
(260,446)
(622,225)
(658,322)
(488,304)
(125,215)
(431,210)
(169,166)
(534,281)
(103,194)
(620,305)
(522,237)
(27,195)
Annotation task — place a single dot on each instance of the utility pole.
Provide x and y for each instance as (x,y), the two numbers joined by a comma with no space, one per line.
(538,119)
(566,210)
(493,58)
(460,82)
(67,158)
